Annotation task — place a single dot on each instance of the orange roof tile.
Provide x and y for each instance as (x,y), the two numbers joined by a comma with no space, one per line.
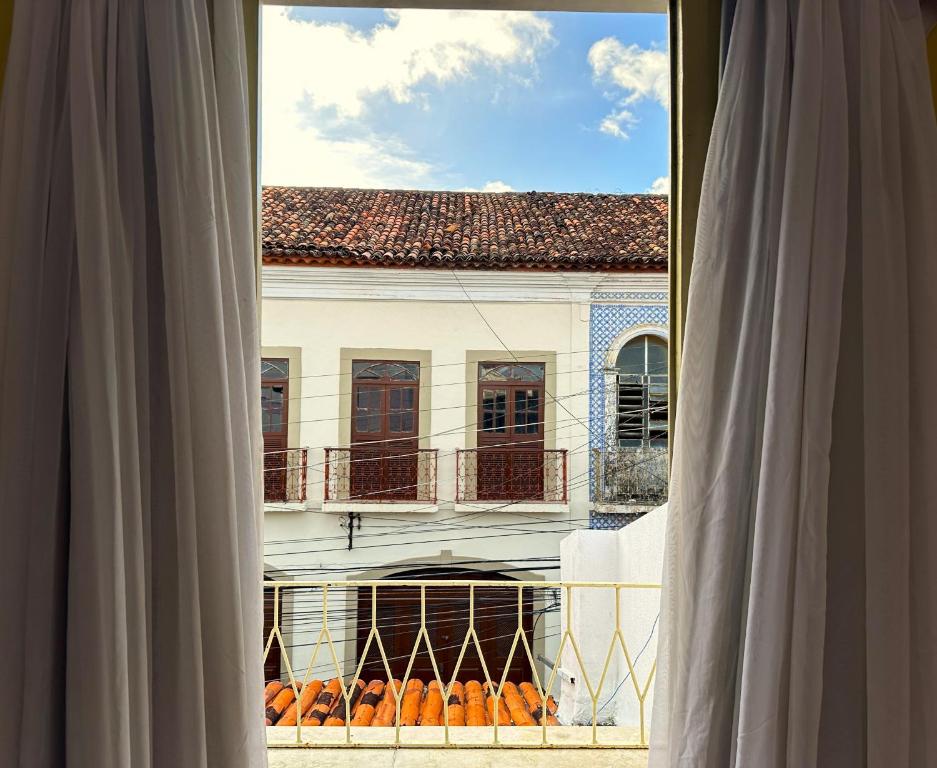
(321,703)
(464,230)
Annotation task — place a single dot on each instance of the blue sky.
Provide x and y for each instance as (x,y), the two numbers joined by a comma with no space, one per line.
(465,100)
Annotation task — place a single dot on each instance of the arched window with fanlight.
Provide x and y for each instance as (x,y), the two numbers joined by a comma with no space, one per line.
(385,428)
(641,377)
(274,414)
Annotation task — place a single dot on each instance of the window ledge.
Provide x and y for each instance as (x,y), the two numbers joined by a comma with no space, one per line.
(284,506)
(397,507)
(622,508)
(517,506)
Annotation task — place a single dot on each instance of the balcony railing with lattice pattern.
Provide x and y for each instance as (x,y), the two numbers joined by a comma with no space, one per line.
(457,663)
(630,475)
(285,475)
(511,475)
(376,474)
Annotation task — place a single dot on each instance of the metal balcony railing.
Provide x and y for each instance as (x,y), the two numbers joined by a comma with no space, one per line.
(511,474)
(285,475)
(460,659)
(630,475)
(374,474)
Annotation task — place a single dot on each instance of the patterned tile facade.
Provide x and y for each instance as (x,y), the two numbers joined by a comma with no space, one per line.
(611,314)
(611,521)
(630,296)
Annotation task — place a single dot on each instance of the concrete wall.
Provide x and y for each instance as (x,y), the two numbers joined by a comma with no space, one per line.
(632,555)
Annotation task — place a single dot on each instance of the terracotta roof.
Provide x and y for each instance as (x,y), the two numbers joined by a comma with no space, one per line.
(322,703)
(464,230)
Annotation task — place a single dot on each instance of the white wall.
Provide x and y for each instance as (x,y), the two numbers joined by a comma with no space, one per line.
(318,312)
(633,555)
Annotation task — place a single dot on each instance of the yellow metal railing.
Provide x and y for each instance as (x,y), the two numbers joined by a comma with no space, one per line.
(288,599)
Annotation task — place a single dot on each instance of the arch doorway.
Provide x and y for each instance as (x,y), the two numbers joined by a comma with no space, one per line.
(447,622)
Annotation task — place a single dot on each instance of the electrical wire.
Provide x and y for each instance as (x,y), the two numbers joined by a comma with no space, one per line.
(508,349)
(434,409)
(421,386)
(560,425)
(633,665)
(529,358)
(571,485)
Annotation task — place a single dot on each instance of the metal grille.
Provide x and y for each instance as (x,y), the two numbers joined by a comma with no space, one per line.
(511,474)
(285,475)
(380,474)
(611,521)
(347,685)
(630,475)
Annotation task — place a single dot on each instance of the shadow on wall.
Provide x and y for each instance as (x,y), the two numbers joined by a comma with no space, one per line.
(633,555)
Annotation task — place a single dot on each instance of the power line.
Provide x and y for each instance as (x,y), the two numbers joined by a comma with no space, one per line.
(434,409)
(634,664)
(494,359)
(444,523)
(508,349)
(443,527)
(545,565)
(421,541)
(395,531)
(397,534)
(489,509)
(559,425)
(407,655)
(421,386)
(305,621)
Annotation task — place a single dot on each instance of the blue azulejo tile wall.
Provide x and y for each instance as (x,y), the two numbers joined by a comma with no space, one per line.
(610,316)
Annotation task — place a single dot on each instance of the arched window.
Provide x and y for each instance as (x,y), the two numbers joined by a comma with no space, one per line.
(641,368)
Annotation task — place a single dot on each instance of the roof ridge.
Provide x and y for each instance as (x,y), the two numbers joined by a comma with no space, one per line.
(509,192)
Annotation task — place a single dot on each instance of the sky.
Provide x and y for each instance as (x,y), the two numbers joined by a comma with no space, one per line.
(465,100)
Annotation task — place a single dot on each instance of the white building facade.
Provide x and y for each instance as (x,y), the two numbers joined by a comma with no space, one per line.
(436,422)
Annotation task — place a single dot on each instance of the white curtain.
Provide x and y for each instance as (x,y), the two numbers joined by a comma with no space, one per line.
(130,568)
(799,624)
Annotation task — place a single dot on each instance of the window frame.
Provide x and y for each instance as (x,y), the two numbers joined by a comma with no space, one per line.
(649,433)
(510,437)
(386,384)
(267,381)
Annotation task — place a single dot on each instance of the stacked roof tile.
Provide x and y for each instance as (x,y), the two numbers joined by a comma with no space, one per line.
(323,703)
(464,230)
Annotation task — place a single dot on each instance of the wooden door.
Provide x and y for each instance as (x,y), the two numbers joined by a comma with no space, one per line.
(274,410)
(384,430)
(510,432)
(447,612)
(273,661)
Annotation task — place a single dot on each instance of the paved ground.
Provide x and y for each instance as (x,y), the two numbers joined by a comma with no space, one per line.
(562,755)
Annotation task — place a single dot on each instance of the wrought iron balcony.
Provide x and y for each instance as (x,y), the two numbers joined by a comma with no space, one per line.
(511,475)
(630,475)
(458,663)
(285,475)
(365,474)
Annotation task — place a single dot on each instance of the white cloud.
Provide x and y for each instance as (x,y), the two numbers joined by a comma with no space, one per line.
(618,123)
(295,155)
(633,74)
(492,186)
(321,79)
(660,186)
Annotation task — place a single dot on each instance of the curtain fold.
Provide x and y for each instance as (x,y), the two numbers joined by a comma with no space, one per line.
(799,625)
(130,563)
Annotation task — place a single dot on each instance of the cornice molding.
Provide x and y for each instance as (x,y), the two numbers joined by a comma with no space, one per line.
(342,283)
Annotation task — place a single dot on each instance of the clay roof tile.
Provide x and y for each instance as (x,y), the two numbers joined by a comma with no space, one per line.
(464,230)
